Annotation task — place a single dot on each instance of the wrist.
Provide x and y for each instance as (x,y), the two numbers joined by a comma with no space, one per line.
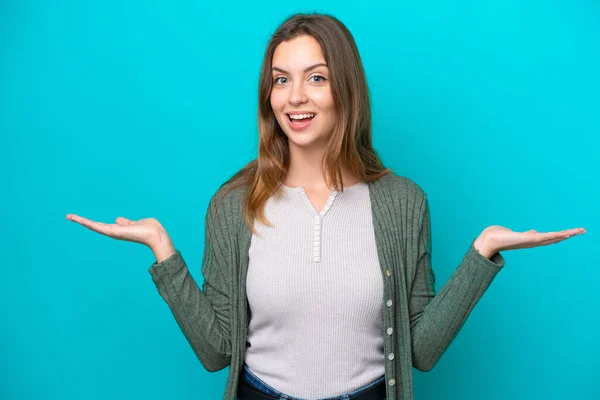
(483,247)
(162,247)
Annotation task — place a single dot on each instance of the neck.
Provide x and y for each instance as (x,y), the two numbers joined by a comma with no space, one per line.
(305,170)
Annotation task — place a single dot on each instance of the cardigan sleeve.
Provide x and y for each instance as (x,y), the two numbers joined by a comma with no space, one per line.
(202,315)
(436,319)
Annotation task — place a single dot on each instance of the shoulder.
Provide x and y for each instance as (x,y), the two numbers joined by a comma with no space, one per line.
(402,187)
(400,200)
(231,194)
(228,201)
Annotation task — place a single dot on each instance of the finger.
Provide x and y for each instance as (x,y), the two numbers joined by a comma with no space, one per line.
(71,217)
(545,236)
(99,227)
(560,239)
(77,218)
(542,237)
(95,226)
(559,235)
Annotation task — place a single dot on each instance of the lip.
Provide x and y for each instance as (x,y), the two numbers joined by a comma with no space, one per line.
(304,125)
(300,112)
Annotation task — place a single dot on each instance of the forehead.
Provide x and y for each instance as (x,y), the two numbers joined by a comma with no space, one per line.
(298,53)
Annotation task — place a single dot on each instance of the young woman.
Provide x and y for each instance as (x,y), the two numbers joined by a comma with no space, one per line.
(317,260)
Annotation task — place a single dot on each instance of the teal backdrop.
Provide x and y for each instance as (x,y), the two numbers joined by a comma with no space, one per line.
(141,109)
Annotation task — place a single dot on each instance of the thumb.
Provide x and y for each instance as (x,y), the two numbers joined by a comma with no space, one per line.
(123,221)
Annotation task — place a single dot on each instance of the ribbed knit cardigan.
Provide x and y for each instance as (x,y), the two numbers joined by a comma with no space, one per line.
(214,319)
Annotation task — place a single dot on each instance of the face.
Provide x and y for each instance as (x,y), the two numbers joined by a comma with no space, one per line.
(301,86)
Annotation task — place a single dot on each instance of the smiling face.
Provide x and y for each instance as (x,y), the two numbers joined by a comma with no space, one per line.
(301,96)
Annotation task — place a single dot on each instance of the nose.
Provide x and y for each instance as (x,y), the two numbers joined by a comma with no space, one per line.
(298,94)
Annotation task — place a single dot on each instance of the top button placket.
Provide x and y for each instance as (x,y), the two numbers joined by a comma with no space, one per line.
(317,226)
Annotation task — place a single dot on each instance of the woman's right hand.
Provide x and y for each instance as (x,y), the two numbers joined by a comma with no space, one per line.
(146,231)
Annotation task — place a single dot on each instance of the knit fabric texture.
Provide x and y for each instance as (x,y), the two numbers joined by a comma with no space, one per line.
(214,318)
(315,292)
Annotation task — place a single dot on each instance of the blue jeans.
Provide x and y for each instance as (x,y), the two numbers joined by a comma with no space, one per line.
(263,386)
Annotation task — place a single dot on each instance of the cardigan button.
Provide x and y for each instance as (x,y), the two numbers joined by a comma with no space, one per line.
(391,356)
(389,303)
(392,382)
(388,273)
(390,330)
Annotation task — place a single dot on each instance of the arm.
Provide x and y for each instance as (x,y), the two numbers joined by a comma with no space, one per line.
(435,320)
(202,315)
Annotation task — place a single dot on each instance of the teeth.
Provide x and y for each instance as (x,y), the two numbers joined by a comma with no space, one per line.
(301,116)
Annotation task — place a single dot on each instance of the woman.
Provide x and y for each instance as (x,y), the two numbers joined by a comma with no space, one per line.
(317,275)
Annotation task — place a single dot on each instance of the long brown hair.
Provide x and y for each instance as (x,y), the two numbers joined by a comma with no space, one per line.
(350,143)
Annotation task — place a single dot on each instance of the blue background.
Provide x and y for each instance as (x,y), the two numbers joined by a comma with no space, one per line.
(141,109)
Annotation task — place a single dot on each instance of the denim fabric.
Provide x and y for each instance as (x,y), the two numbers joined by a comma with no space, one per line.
(263,386)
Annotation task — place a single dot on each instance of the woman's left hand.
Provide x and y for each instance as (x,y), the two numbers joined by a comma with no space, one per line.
(496,238)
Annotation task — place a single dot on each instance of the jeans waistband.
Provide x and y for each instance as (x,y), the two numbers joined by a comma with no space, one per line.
(262,390)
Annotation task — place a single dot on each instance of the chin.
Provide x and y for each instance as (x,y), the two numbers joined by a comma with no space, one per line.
(306,140)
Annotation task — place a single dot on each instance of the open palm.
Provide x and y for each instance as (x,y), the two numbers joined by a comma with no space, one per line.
(500,238)
(146,231)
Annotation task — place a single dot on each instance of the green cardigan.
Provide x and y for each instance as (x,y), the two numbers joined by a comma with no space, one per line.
(418,324)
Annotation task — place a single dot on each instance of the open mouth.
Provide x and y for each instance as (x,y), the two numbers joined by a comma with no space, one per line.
(300,122)
(300,118)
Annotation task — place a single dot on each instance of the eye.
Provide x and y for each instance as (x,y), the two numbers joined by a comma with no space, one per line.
(277,80)
(322,78)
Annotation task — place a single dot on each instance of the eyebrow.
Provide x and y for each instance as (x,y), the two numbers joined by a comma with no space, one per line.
(306,70)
